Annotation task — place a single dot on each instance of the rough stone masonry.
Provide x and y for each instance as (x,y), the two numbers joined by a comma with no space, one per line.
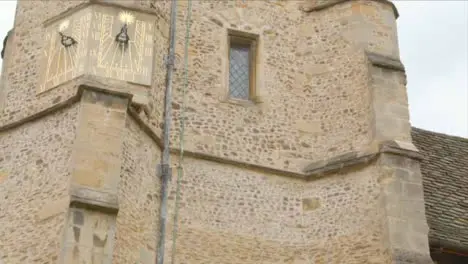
(317,167)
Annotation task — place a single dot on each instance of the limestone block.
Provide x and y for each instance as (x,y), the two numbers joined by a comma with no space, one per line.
(98,144)
(317,69)
(53,207)
(405,209)
(3,176)
(307,126)
(93,198)
(390,106)
(413,191)
(147,256)
(310,204)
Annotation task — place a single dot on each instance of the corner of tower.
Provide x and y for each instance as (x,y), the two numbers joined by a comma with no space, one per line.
(370,28)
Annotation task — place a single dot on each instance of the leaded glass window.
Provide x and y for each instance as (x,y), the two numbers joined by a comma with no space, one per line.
(239,72)
(241,66)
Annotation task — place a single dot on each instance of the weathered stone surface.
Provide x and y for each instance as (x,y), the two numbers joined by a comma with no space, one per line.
(33,206)
(388,94)
(348,97)
(385,62)
(331,117)
(320,97)
(52,208)
(97,147)
(405,256)
(310,204)
(139,196)
(277,220)
(91,198)
(317,5)
(3,176)
(403,199)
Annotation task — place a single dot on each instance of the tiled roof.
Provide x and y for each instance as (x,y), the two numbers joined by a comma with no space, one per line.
(445,180)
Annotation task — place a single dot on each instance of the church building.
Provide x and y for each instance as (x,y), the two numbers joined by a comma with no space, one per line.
(219,132)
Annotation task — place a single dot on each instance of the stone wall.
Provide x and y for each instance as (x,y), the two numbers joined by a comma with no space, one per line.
(98,144)
(312,79)
(313,83)
(234,215)
(390,105)
(21,99)
(317,96)
(34,179)
(114,178)
(404,204)
(57,167)
(139,198)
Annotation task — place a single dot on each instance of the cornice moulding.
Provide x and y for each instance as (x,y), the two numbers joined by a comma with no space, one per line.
(385,62)
(331,3)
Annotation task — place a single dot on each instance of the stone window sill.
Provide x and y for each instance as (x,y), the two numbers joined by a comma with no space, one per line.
(246,103)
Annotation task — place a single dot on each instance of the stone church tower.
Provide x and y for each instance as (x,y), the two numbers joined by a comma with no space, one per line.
(297,135)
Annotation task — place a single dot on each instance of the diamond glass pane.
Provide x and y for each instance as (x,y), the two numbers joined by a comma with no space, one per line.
(239,72)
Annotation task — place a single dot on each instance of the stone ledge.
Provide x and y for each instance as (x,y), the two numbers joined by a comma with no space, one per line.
(127,5)
(385,62)
(338,163)
(84,197)
(138,92)
(83,85)
(330,3)
(355,158)
(312,171)
(45,112)
(121,4)
(401,148)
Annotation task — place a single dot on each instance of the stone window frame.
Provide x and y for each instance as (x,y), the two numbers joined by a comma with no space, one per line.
(244,38)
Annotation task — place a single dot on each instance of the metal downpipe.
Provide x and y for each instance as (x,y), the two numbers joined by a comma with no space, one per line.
(164,168)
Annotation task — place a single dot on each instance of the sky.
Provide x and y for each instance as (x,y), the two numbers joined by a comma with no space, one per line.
(433,37)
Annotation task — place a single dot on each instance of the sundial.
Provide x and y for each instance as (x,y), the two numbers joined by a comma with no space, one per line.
(104,41)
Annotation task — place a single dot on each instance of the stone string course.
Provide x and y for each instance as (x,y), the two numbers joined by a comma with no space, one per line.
(313,170)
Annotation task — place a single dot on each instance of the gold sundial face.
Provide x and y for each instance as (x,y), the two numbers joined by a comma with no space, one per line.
(122,45)
(65,50)
(105,41)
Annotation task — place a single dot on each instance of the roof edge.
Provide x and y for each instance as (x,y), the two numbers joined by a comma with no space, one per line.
(417,129)
(445,244)
(331,3)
